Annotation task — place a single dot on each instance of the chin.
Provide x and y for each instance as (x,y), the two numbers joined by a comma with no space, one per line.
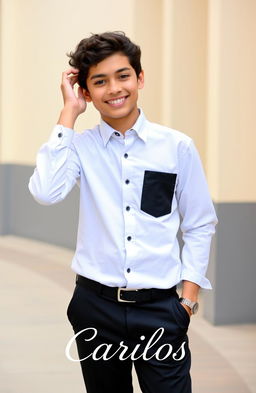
(119,114)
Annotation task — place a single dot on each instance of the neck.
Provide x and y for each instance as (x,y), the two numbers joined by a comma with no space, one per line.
(123,124)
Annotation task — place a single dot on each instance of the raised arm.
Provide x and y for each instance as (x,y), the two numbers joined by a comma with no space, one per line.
(57,164)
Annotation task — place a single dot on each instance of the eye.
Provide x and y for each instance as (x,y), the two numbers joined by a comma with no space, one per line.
(124,76)
(99,82)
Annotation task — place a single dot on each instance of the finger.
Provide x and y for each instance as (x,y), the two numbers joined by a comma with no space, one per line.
(66,75)
(81,95)
(80,92)
(70,71)
(73,79)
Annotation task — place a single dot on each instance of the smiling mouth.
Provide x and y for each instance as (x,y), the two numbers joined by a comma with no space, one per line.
(117,101)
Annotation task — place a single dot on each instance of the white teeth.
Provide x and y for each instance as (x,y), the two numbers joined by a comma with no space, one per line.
(117,101)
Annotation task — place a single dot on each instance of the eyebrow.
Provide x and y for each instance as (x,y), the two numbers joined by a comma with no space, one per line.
(104,75)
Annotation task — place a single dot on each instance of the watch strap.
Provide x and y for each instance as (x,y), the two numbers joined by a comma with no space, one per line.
(192,305)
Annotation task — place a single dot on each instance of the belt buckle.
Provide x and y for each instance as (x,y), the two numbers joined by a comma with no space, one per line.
(125,289)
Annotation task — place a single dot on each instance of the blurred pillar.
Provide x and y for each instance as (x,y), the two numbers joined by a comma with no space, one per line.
(231,159)
(209,92)
(148,34)
(184,31)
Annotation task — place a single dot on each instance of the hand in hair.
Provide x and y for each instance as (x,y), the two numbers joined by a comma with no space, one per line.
(74,103)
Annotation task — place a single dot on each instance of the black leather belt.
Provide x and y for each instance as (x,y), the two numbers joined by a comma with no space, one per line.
(125,294)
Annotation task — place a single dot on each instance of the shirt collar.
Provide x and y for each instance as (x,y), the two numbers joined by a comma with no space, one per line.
(107,131)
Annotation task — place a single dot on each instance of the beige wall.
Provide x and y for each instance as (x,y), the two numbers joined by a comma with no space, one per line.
(0,80)
(199,58)
(232,100)
(36,35)
(148,34)
(184,62)
(35,41)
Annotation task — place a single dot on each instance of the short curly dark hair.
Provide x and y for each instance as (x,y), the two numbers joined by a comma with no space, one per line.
(92,50)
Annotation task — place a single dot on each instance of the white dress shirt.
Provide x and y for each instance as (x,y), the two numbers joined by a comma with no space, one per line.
(134,191)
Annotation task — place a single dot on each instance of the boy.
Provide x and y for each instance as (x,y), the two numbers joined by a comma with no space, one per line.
(136,179)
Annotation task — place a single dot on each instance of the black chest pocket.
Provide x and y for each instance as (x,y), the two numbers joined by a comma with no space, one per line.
(157,193)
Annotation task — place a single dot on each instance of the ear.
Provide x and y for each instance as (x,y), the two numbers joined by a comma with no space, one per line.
(141,80)
(87,95)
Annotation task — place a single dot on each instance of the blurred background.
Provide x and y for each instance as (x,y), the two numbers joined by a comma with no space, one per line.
(199,58)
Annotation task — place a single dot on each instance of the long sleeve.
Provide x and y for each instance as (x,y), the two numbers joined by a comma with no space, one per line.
(57,168)
(198,217)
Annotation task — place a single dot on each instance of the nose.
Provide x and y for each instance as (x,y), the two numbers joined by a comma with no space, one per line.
(114,87)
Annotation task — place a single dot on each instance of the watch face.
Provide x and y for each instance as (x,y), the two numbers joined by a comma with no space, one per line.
(195,308)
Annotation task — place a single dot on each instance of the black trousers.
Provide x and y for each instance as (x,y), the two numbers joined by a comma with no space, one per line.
(152,336)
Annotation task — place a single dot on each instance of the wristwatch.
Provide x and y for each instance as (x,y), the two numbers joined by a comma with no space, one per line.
(192,305)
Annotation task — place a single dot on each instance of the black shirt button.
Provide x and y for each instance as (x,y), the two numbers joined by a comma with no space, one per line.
(127,181)
(60,134)
(129,238)
(126,155)
(117,134)
(128,270)
(128,208)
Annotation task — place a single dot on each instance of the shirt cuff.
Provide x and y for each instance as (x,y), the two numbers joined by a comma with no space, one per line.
(197,278)
(61,136)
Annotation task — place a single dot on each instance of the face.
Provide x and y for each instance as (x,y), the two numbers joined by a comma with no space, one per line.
(113,88)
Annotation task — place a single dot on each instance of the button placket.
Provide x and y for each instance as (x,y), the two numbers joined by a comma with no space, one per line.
(128,198)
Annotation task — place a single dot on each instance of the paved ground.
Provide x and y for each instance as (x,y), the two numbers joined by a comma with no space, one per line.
(36,286)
